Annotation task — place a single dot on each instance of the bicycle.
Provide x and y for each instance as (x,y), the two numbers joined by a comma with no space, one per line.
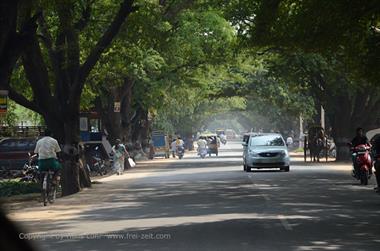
(49,188)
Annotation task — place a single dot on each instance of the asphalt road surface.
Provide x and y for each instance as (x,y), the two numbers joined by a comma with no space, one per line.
(211,204)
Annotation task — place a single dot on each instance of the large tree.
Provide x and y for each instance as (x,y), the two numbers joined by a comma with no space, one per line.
(57,64)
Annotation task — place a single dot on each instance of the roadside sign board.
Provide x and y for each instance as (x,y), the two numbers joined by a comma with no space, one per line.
(3,101)
(116,107)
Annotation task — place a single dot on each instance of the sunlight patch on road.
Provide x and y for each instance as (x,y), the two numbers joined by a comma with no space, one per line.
(62,212)
(93,226)
(319,245)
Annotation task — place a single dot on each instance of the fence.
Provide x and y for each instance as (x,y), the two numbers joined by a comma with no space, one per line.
(21,131)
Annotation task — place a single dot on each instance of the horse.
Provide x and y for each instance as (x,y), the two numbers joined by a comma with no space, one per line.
(316,143)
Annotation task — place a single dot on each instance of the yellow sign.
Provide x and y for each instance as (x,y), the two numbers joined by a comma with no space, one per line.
(3,101)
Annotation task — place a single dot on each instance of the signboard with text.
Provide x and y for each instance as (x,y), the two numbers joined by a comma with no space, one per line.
(116,107)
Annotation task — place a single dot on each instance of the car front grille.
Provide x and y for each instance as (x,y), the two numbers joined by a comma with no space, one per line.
(269,154)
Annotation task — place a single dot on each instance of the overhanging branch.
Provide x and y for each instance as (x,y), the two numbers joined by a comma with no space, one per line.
(125,9)
(23,101)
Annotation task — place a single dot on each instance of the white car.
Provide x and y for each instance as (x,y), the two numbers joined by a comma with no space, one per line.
(265,151)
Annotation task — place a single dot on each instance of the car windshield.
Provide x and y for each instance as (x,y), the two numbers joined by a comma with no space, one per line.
(267,140)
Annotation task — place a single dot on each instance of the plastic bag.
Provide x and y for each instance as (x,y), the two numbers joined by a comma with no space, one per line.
(131,162)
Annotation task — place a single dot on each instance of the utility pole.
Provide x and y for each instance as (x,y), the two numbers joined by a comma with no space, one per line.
(323,120)
(301,137)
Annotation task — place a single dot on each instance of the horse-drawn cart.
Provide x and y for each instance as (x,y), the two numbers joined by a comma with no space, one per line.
(316,144)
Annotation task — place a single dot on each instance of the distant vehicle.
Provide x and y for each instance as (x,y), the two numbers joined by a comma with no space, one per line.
(213,143)
(246,137)
(231,134)
(14,152)
(362,162)
(180,151)
(203,152)
(161,145)
(219,132)
(265,151)
(373,134)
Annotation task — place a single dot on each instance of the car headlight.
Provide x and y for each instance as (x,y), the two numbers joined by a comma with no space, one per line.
(284,154)
(253,154)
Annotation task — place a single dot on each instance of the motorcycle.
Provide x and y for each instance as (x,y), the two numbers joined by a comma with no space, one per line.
(30,170)
(202,152)
(180,152)
(223,139)
(362,163)
(97,164)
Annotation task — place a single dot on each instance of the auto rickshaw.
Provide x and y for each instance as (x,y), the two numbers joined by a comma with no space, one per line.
(160,145)
(213,143)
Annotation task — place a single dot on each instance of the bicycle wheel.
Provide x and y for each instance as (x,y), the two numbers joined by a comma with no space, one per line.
(44,190)
(52,193)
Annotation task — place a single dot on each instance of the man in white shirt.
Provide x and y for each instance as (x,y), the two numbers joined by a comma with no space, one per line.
(289,141)
(202,144)
(173,148)
(47,149)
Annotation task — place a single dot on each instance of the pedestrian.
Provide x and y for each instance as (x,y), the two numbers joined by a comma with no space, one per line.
(173,147)
(119,154)
(289,141)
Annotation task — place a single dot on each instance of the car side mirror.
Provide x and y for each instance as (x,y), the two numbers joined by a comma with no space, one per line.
(245,144)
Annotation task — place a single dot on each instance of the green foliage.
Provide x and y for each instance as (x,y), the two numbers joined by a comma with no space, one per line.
(10,188)
(17,115)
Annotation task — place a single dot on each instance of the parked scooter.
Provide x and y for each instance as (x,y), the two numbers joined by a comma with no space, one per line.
(30,170)
(362,163)
(97,165)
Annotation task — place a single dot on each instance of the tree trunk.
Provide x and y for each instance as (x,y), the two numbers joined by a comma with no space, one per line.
(74,176)
(340,115)
(117,124)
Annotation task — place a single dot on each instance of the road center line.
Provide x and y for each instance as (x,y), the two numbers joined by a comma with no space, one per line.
(282,218)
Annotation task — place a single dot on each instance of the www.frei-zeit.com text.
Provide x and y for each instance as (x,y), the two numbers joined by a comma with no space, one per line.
(110,236)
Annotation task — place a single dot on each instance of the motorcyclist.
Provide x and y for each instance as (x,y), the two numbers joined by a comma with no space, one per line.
(180,144)
(376,153)
(223,138)
(47,149)
(359,139)
(202,144)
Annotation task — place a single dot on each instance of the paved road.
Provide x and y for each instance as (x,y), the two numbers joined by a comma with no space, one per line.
(211,204)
